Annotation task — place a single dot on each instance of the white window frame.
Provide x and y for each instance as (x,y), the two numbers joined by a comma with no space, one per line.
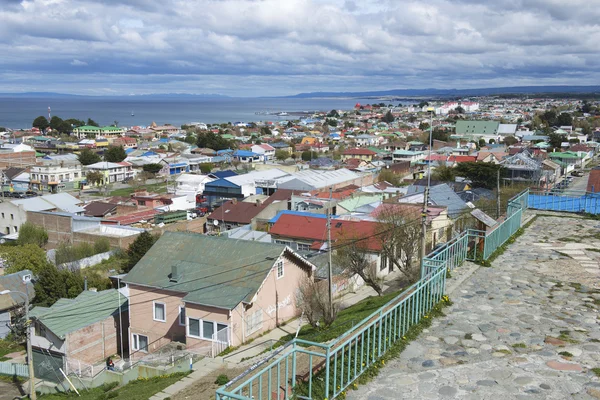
(181,314)
(201,322)
(154,304)
(254,322)
(277,265)
(303,247)
(135,342)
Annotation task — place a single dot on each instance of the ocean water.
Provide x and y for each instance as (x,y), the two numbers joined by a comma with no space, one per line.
(19,112)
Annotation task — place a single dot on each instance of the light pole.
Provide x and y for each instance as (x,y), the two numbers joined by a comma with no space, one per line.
(32,394)
(426,197)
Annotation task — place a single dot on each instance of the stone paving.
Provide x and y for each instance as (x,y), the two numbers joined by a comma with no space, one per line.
(526,328)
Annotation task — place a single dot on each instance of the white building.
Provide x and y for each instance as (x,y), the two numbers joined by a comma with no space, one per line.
(267,152)
(113,172)
(53,174)
(191,185)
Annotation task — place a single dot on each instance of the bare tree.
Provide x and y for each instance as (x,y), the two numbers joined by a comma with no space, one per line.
(312,299)
(353,257)
(399,233)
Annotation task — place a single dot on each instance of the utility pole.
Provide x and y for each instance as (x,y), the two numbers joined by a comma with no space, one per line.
(498,195)
(330,274)
(32,394)
(426,198)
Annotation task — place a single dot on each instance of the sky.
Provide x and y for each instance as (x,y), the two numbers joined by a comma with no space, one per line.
(284,47)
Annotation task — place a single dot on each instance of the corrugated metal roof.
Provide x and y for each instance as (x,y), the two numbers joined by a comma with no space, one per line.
(69,315)
(14,282)
(215,271)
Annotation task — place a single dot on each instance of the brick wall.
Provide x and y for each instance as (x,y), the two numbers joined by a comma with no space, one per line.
(21,160)
(57,226)
(96,342)
(594,180)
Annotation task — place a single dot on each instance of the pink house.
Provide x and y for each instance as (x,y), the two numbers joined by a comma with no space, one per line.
(199,290)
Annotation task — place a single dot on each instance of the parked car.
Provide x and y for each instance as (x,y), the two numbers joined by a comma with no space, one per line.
(19,195)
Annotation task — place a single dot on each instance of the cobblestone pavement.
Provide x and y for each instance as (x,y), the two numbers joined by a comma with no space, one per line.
(526,328)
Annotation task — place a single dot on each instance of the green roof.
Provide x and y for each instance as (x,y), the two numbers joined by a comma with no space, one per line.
(214,271)
(477,127)
(377,150)
(564,155)
(111,128)
(69,315)
(353,203)
(88,128)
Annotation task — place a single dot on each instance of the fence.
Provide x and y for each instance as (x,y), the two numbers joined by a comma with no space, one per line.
(79,368)
(220,341)
(310,370)
(566,201)
(13,369)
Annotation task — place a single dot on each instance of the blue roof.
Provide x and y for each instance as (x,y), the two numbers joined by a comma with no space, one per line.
(220,183)
(149,153)
(221,152)
(224,174)
(163,140)
(181,164)
(129,150)
(245,153)
(442,195)
(301,213)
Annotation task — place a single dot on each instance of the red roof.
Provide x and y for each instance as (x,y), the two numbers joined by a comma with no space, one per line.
(359,152)
(135,217)
(337,194)
(243,212)
(315,229)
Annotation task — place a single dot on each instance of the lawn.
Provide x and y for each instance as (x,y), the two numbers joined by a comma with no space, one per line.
(8,346)
(141,389)
(345,320)
(153,188)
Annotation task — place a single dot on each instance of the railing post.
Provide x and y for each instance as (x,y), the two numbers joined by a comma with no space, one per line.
(327,361)
(294,368)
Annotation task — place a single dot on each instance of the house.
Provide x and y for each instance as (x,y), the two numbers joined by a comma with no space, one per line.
(125,142)
(245,156)
(407,155)
(92,132)
(86,329)
(477,128)
(99,209)
(13,213)
(113,172)
(56,174)
(358,153)
(266,152)
(440,195)
(191,185)
(200,289)
(522,167)
(18,284)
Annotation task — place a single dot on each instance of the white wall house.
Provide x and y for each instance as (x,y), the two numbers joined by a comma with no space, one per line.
(113,172)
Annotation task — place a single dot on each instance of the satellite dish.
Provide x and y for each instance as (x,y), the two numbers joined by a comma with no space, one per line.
(216,223)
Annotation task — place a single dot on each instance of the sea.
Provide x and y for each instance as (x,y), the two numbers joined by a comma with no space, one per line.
(19,112)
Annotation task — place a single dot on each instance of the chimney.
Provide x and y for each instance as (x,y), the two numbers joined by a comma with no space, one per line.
(258,203)
(175,276)
(234,201)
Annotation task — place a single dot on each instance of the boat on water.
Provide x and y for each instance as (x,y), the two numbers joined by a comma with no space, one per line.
(132,114)
(283,114)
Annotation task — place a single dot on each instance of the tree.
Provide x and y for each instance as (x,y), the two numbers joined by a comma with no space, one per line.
(443,173)
(423,104)
(309,155)
(312,298)
(74,122)
(212,141)
(353,257)
(555,140)
(206,168)
(281,155)
(28,256)
(115,154)
(549,117)
(139,247)
(480,173)
(87,157)
(459,110)
(399,232)
(510,140)
(265,131)
(94,178)
(91,122)
(564,119)
(333,114)
(152,168)
(424,126)
(32,234)
(386,175)
(388,117)
(41,123)
(55,123)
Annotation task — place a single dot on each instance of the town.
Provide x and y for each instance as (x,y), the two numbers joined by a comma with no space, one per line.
(202,259)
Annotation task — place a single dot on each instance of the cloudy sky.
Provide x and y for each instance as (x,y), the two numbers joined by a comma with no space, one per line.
(279,47)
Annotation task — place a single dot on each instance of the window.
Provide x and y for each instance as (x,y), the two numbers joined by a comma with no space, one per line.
(139,342)
(384,262)
(254,322)
(202,329)
(75,174)
(279,269)
(283,242)
(141,202)
(2,215)
(16,229)
(303,247)
(160,312)
(12,216)
(182,315)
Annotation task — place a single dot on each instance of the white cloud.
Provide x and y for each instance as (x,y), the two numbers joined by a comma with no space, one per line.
(298,45)
(78,63)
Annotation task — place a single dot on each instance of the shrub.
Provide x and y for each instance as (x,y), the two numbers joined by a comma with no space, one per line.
(102,245)
(32,234)
(222,380)
(109,386)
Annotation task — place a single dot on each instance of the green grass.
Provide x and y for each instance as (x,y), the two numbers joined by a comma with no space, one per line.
(519,345)
(11,379)
(154,188)
(565,354)
(345,320)
(596,250)
(140,389)
(468,336)
(8,346)
(596,371)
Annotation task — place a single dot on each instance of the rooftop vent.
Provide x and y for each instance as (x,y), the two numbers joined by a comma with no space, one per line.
(175,274)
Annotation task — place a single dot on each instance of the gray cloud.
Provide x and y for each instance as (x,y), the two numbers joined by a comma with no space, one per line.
(243,47)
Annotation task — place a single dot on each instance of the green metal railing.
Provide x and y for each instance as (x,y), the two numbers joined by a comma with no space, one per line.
(316,371)
(512,223)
